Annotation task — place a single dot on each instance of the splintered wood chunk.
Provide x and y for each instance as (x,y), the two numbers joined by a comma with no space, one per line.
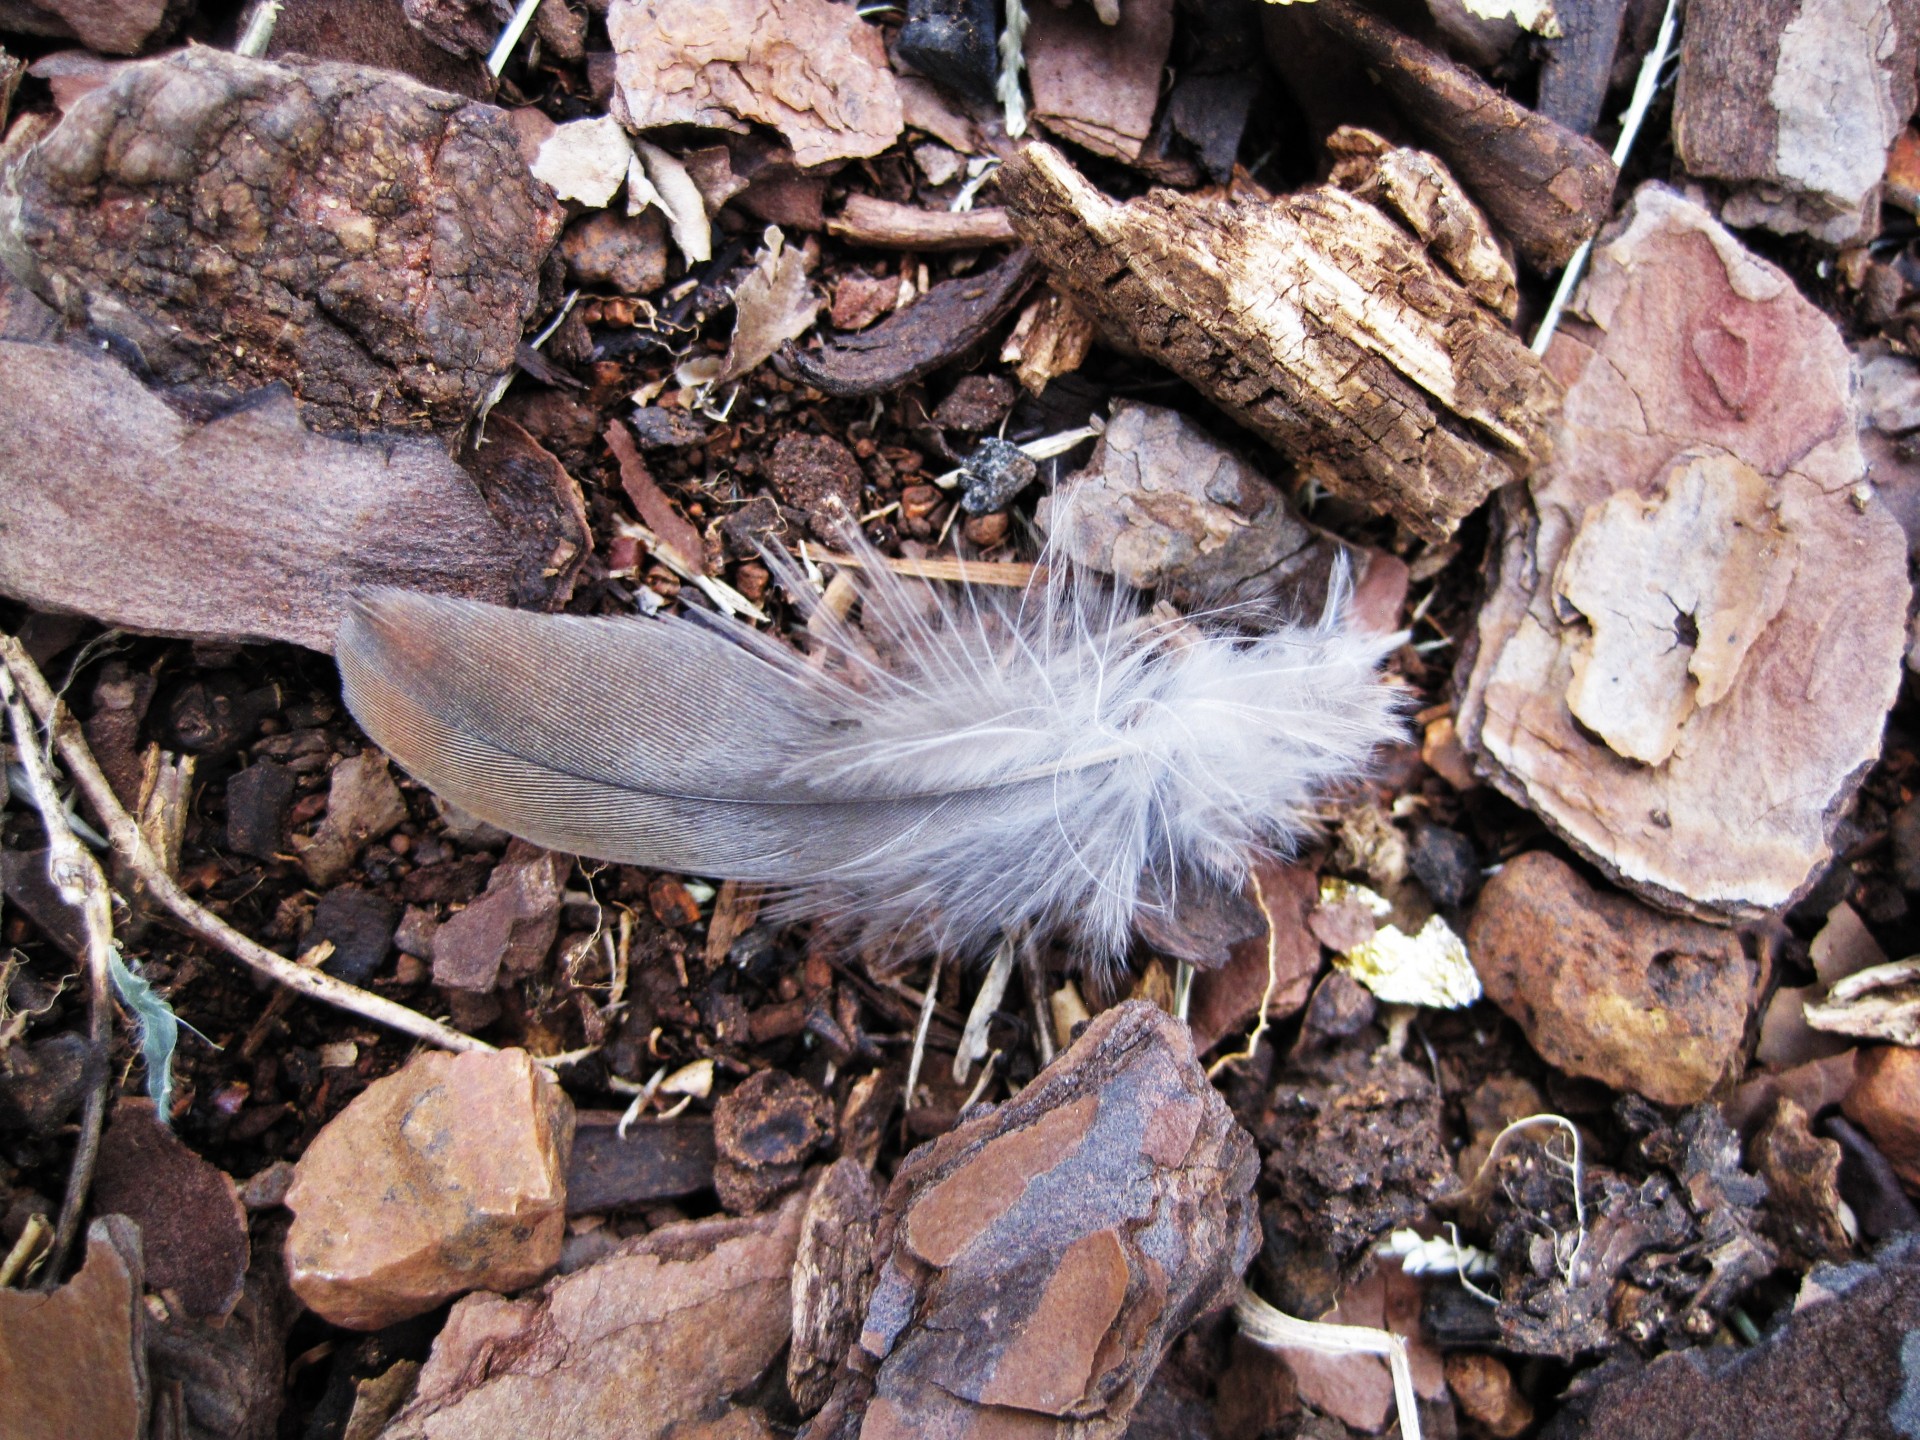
(1545,187)
(1035,1264)
(1323,322)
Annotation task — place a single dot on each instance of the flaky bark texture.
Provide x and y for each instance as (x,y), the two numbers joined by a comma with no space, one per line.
(1698,607)
(1316,320)
(1795,102)
(1036,1263)
(373,244)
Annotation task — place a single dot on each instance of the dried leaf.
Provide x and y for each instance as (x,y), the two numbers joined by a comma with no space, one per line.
(674,530)
(584,160)
(773,305)
(812,69)
(671,187)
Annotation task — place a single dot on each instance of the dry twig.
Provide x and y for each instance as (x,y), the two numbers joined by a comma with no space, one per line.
(132,848)
(76,875)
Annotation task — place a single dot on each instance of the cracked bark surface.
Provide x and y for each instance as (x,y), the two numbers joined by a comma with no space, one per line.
(1093,1217)
(1696,613)
(1322,322)
(373,244)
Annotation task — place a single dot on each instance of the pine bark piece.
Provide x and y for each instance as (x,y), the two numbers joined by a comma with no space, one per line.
(380,257)
(193,1232)
(1317,320)
(1098,84)
(1696,617)
(73,1361)
(113,27)
(643,1344)
(1795,103)
(255,528)
(1578,68)
(1035,1264)
(1545,187)
(660,1160)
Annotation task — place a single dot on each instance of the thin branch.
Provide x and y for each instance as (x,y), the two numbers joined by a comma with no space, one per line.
(133,849)
(77,876)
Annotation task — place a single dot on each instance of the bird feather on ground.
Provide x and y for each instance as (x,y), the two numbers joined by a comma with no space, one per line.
(965,760)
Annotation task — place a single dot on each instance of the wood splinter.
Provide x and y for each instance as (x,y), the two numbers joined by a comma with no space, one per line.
(1357,326)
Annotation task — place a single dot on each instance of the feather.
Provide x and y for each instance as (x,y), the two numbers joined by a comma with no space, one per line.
(966,760)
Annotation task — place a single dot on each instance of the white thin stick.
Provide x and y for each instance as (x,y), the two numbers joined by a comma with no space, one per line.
(920,1033)
(1264,1325)
(510,37)
(1645,86)
(259,32)
(132,847)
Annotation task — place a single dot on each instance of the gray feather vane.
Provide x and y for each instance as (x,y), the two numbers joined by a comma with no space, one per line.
(966,760)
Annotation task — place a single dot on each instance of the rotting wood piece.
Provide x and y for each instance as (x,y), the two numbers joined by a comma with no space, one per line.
(1545,188)
(947,321)
(1317,320)
(1035,1264)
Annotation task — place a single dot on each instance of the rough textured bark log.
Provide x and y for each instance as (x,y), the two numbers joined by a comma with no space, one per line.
(832,1276)
(1036,1263)
(1795,102)
(1546,188)
(1317,320)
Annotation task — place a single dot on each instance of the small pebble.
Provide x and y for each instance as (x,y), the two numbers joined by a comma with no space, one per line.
(993,474)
